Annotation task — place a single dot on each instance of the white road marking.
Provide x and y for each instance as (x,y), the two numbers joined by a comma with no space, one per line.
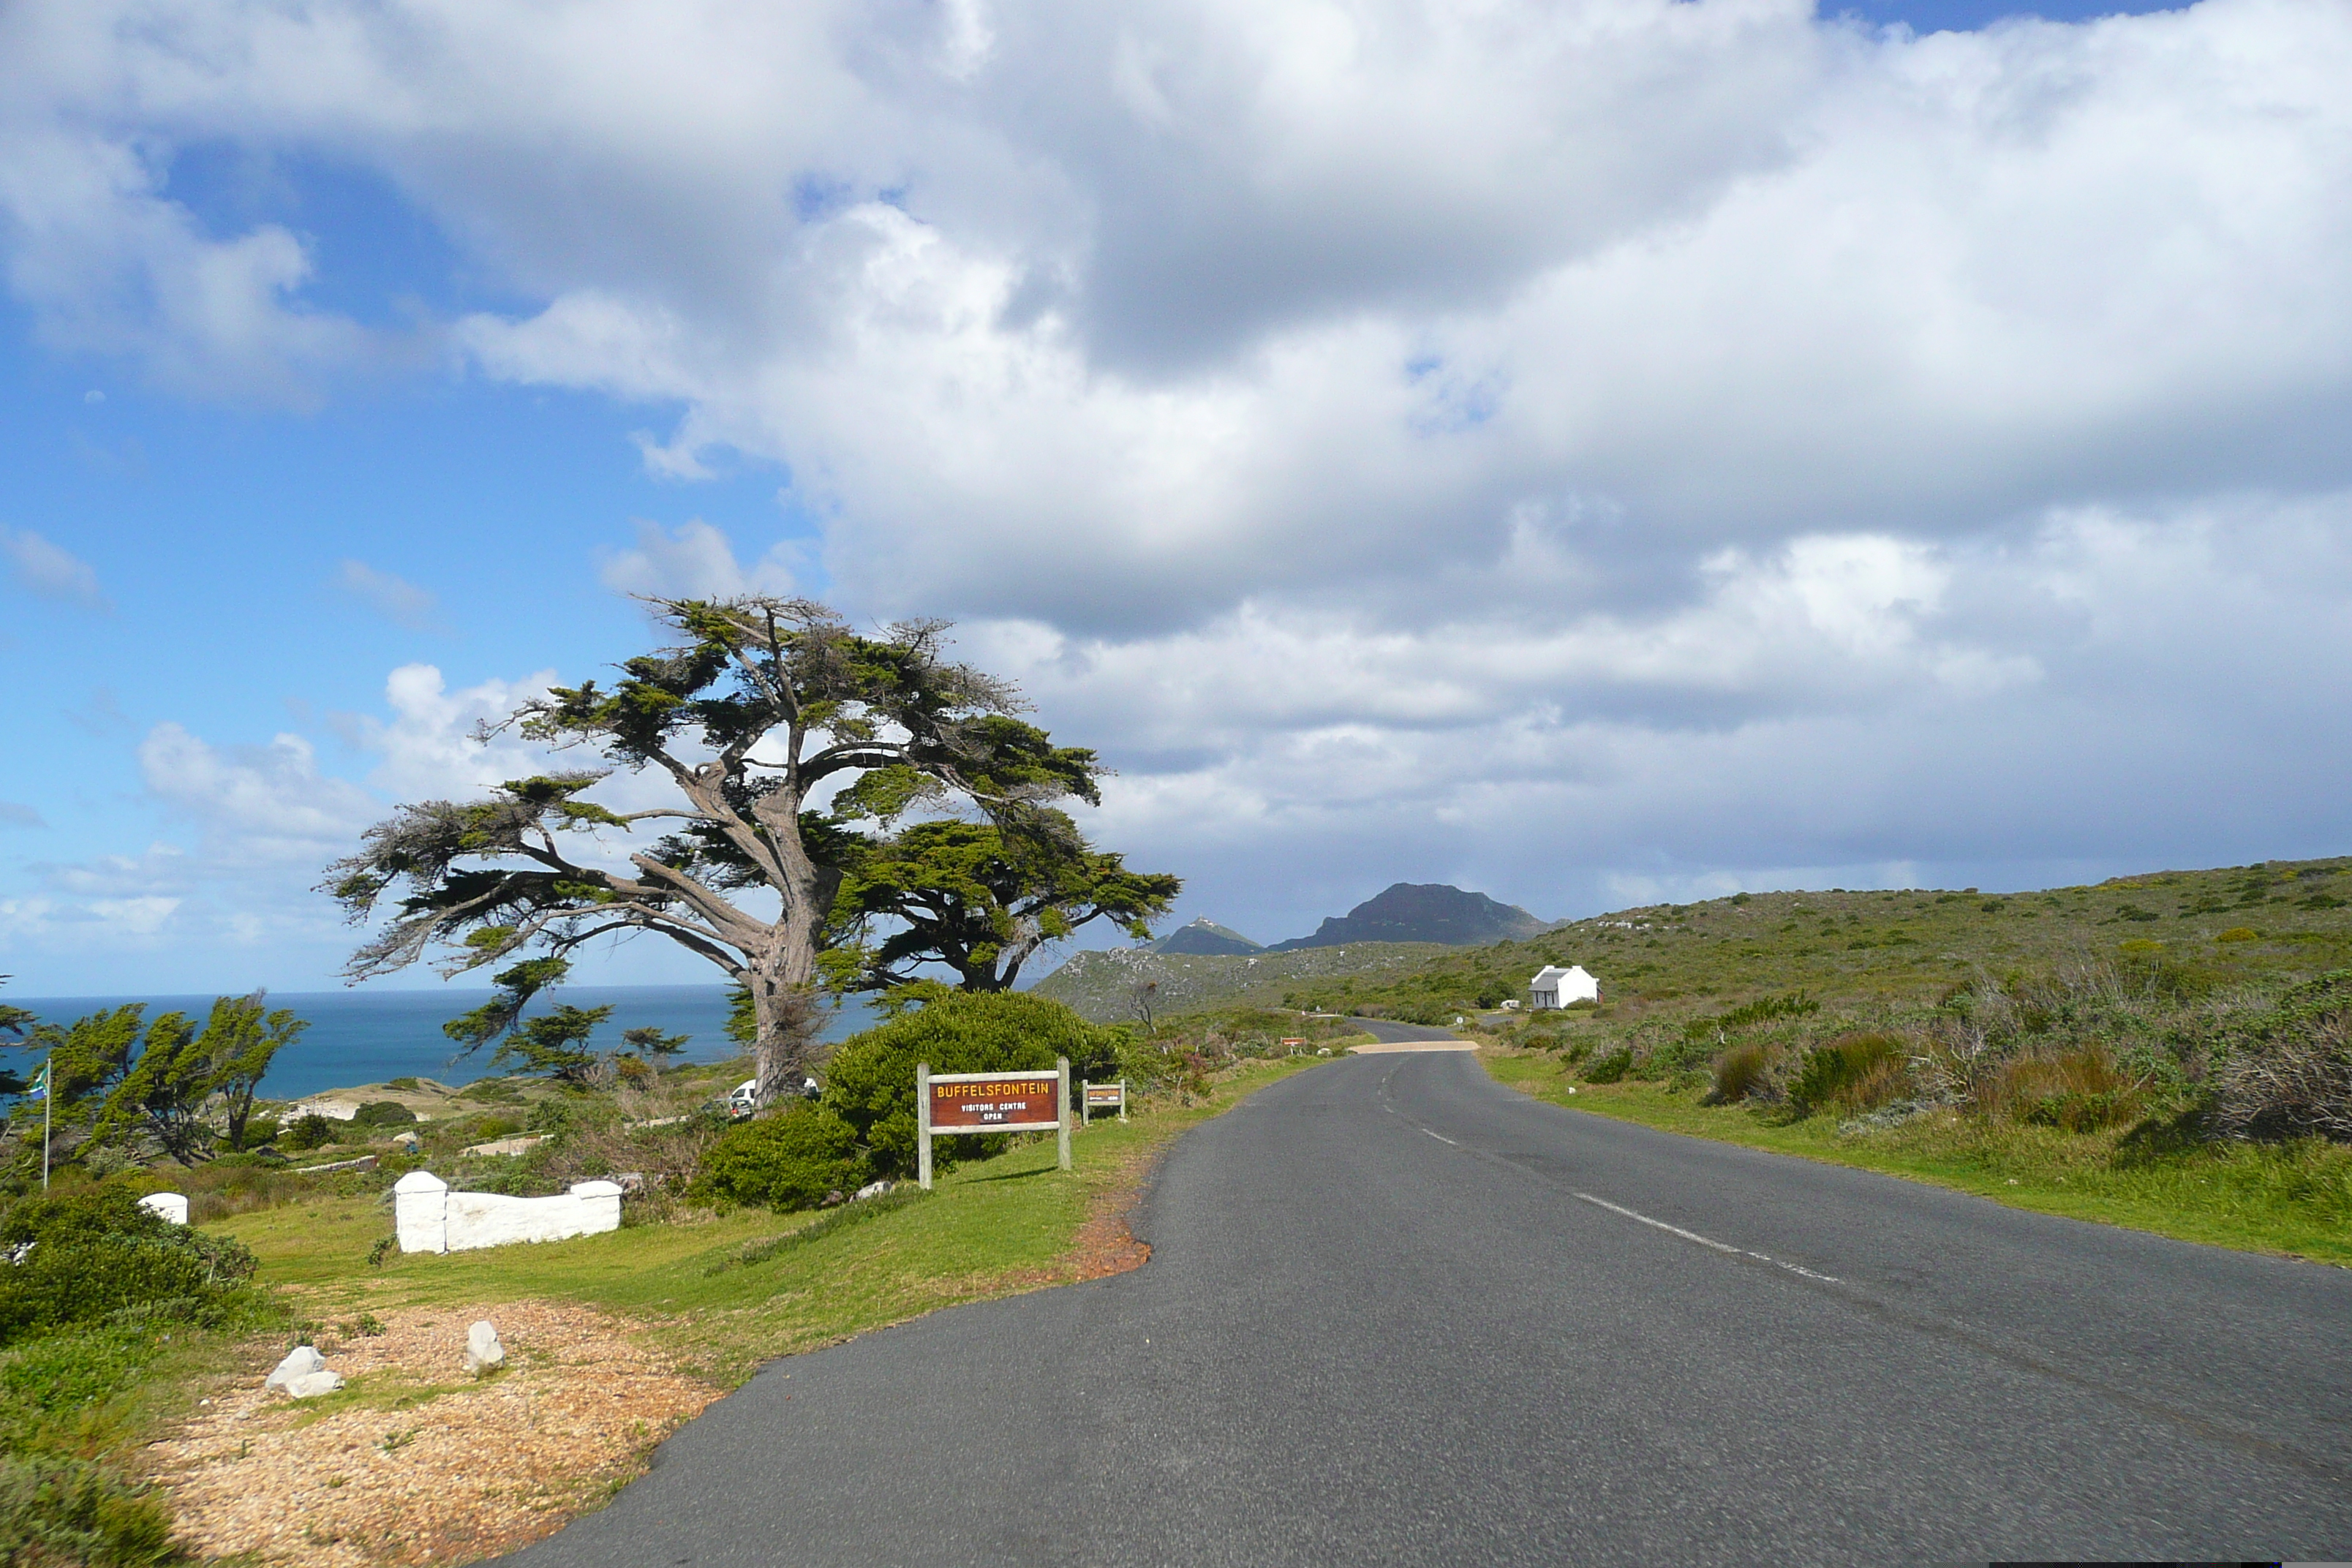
(1441,1138)
(1702,1240)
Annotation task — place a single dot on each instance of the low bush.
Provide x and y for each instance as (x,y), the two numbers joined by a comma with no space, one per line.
(93,1253)
(1740,1072)
(384,1113)
(2079,1091)
(2287,1072)
(1848,1072)
(1612,1068)
(793,1160)
(870,1081)
(55,1510)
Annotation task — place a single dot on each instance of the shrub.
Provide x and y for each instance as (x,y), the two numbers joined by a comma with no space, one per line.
(67,1510)
(2079,1091)
(308,1133)
(2287,1073)
(491,1091)
(1838,1072)
(384,1113)
(870,1082)
(794,1160)
(2240,933)
(90,1253)
(1740,1072)
(1611,1068)
(405,1085)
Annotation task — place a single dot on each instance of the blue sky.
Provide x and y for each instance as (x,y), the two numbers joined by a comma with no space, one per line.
(1591,453)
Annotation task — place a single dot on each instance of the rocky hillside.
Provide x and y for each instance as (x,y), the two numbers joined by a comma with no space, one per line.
(1109,988)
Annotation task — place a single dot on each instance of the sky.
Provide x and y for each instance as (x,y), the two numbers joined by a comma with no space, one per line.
(1593,452)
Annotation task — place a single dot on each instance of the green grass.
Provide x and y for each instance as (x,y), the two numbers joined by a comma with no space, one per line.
(2293,1199)
(989,1228)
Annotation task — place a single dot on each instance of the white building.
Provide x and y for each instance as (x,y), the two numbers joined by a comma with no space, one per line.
(1556,987)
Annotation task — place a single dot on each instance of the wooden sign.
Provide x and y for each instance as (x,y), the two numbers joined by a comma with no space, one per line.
(995,1102)
(1094,1097)
(954,1102)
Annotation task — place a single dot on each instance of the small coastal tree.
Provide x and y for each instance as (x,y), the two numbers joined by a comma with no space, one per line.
(780,730)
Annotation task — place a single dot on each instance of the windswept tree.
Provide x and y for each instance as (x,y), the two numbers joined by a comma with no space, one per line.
(982,901)
(780,730)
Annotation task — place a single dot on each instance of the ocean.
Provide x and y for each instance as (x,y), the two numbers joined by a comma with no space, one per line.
(363,1037)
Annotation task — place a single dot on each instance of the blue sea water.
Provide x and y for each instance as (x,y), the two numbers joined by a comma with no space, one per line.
(363,1037)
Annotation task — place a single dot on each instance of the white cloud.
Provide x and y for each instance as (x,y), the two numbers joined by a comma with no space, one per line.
(262,803)
(695,561)
(50,571)
(1389,431)
(395,598)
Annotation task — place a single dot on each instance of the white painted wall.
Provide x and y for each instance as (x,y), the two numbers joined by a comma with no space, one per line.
(173,1206)
(429,1217)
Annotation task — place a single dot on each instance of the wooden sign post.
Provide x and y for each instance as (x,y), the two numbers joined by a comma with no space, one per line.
(1094,1097)
(1021,1101)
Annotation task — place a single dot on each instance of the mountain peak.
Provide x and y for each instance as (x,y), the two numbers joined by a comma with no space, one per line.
(1422,912)
(1205,936)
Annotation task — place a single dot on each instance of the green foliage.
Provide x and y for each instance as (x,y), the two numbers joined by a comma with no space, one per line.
(310,1131)
(870,1081)
(382,1113)
(981,901)
(91,1253)
(795,1158)
(1834,1071)
(124,1084)
(554,1044)
(64,1510)
(1610,1068)
(403,1085)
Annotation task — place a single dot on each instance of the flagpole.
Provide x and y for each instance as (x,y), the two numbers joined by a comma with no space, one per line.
(48,1104)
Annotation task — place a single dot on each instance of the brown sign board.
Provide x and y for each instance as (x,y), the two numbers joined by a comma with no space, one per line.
(996,1103)
(1106,1094)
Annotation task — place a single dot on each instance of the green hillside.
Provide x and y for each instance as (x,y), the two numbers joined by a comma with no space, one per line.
(2265,925)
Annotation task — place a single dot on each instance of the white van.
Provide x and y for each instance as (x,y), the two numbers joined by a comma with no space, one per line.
(744,1098)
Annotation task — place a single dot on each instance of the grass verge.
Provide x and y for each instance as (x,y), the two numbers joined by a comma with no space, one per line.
(725,1293)
(2293,1199)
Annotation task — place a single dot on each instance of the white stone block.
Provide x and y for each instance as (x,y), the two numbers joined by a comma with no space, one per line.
(300,1362)
(483,1351)
(173,1206)
(311,1385)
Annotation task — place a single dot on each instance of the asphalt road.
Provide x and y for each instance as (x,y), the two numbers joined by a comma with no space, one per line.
(1398,1314)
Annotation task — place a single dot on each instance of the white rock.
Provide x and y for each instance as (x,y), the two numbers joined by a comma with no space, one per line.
(483,1352)
(300,1362)
(311,1385)
(874,1189)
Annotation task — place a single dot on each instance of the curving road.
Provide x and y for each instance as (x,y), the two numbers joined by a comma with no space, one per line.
(1398,1314)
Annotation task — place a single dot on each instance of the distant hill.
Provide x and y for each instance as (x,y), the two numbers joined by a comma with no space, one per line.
(1422,912)
(1205,938)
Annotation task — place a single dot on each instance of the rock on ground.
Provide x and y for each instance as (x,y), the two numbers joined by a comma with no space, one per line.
(483,1351)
